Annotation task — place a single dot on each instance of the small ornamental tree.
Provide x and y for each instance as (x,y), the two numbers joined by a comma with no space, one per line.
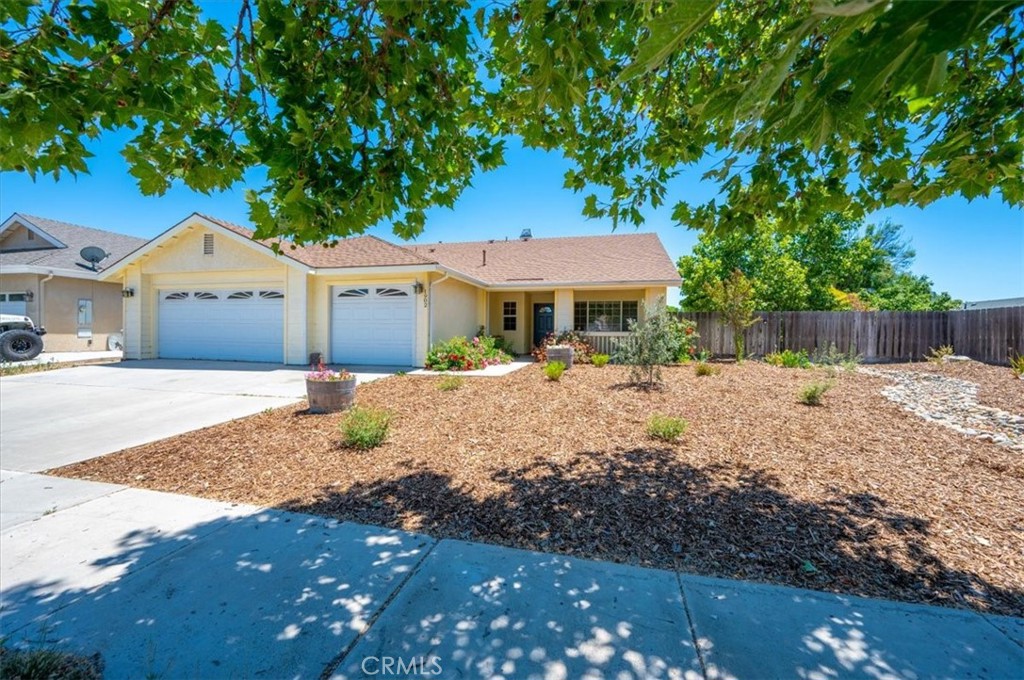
(651,343)
(733,297)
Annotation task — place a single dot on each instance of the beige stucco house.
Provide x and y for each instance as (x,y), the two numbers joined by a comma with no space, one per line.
(205,289)
(44,276)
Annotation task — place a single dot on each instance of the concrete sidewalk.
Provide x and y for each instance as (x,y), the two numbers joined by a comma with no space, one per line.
(172,586)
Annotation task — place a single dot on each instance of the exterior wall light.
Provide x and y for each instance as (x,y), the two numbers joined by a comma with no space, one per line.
(128,292)
(417,288)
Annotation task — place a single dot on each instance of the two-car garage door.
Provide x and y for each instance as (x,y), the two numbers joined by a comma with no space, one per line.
(239,325)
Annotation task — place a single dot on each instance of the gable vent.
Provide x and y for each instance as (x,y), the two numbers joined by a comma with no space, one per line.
(207,244)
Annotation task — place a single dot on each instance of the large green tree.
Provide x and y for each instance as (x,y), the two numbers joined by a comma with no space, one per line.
(376,110)
(835,263)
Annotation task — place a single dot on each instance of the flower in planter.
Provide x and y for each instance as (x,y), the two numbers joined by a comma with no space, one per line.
(321,373)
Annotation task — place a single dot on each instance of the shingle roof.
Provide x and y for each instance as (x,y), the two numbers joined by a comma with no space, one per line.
(359,251)
(619,258)
(75,237)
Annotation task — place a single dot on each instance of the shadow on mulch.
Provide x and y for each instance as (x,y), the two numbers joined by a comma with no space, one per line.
(642,501)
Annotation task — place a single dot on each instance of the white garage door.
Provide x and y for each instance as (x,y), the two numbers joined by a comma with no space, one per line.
(14,303)
(373,325)
(240,325)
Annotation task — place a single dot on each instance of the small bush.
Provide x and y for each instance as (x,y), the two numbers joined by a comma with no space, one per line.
(462,354)
(686,338)
(600,360)
(365,428)
(1017,364)
(582,351)
(451,383)
(554,370)
(938,356)
(651,344)
(788,359)
(703,368)
(811,394)
(666,428)
(42,664)
(833,357)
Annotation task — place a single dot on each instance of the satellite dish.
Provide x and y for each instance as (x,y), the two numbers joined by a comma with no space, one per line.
(93,255)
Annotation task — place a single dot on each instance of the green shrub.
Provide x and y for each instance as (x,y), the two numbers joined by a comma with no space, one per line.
(666,428)
(811,394)
(582,351)
(788,359)
(938,356)
(833,357)
(1017,364)
(651,344)
(686,337)
(451,383)
(554,370)
(600,360)
(703,368)
(462,354)
(42,664)
(364,427)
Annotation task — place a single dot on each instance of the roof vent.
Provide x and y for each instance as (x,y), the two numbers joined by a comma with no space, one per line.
(207,244)
(526,235)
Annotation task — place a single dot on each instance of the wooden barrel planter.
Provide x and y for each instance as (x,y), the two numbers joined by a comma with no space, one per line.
(563,353)
(328,396)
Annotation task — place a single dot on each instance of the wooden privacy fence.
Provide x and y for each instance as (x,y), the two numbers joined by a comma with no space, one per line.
(987,335)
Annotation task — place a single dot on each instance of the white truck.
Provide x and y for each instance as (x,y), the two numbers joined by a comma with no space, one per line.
(20,339)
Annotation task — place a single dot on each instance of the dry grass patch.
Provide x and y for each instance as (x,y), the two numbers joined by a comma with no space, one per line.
(856,496)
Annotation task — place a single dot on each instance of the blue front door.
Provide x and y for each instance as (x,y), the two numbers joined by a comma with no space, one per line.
(543,321)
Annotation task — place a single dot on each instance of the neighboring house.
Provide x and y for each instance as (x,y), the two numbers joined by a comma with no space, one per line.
(44,276)
(995,304)
(205,290)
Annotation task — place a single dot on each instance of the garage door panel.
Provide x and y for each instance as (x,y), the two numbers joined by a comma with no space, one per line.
(373,325)
(238,325)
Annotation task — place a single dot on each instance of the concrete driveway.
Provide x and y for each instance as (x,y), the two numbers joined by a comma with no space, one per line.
(67,415)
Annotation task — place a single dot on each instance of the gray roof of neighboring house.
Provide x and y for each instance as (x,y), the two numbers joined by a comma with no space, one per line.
(75,237)
(995,304)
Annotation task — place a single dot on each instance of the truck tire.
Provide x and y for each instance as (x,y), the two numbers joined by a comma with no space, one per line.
(20,345)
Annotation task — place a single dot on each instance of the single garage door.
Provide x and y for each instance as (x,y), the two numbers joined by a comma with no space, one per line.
(238,325)
(373,325)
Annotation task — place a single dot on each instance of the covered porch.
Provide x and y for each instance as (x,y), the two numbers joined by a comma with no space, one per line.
(524,316)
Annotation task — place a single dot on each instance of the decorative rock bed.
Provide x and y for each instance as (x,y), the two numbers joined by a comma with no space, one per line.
(953,403)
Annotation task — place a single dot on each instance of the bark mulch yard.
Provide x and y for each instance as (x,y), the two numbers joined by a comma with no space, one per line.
(856,496)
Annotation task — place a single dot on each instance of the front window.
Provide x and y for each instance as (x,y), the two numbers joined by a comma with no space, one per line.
(604,316)
(508,315)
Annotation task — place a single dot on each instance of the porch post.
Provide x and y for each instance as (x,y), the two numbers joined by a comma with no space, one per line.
(482,318)
(563,309)
(654,296)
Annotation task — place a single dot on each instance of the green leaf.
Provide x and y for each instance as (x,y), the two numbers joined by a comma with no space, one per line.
(667,32)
